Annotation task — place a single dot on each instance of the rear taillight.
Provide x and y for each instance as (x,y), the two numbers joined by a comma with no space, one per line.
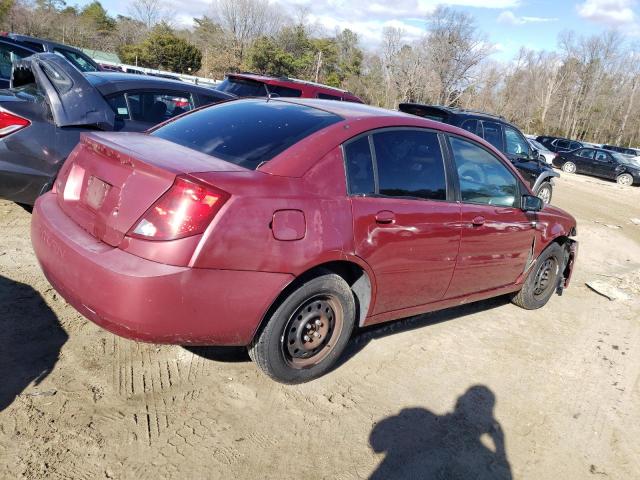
(10,123)
(186,209)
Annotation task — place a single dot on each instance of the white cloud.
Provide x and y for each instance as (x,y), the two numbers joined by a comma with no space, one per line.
(510,18)
(613,13)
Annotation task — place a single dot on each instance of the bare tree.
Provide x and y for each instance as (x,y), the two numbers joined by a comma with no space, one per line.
(149,12)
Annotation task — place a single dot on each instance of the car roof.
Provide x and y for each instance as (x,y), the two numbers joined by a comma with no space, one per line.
(346,110)
(113,82)
(17,43)
(286,81)
(455,111)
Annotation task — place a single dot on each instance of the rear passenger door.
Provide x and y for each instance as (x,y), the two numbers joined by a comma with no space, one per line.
(497,236)
(583,159)
(138,111)
(406,221)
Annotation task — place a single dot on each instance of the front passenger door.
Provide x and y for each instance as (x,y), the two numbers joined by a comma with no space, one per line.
(497,236)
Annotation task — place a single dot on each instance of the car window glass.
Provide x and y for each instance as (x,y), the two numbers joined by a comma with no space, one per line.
(359,163)
(492,133)
(284,91)
(60,81)
(83,64)
(246,132)
(327,96)
(562,143)
(410,164)
(243,87)
(516,144)
(483,178)
(152,107)
(602,157)
(575,145)
(8,55)
(473,126)
(586,153)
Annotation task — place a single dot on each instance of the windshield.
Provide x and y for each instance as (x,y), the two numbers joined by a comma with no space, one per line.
(243,87)
(626,159)
(246,132)
(537,145)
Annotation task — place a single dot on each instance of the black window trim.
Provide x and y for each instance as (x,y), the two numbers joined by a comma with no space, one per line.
(519,186)
(446,161)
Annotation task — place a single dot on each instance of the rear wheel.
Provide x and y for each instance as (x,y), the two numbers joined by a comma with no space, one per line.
(542,280)
(545,192)
(308,331)
(625,179)
(569,167)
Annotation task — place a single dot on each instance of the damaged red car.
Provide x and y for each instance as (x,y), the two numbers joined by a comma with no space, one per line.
(282,225)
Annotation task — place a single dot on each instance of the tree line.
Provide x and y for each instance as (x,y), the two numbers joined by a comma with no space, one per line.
(586,89)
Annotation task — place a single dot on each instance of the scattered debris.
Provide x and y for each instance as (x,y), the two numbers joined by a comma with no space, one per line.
(635,221)
(45,393)
(608,225)
(607,290)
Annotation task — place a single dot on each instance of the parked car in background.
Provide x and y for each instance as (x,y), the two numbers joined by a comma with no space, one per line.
(544,153)
(52,103)
(78,58)
(499,133)
(10,52)
(252,85)
(558,144)
(632,152)
(283,224)
(600,163)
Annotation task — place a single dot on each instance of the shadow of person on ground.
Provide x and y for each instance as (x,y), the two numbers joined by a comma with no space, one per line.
(467,443)
(30,339)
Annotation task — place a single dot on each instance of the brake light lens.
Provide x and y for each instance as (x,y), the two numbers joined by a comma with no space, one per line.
(186,209)
(10,123)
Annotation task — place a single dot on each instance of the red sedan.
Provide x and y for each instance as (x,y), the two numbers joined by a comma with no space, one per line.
(283,225)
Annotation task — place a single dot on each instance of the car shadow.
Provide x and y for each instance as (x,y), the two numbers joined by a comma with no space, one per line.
(362,336)
(466,443)
(30,339)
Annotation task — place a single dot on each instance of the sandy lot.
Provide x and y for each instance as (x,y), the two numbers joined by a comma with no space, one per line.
(482,391)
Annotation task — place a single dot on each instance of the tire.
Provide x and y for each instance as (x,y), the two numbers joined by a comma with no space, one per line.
(624,179)
(569,167)
(545,192)
(542,280)
(320,310)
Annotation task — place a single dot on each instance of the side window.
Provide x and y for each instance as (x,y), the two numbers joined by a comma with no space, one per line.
(563,144)
(410,164)
(575,145)
(602,157)
(284,91)
(326,96)
(155,107)
(8,55)
(118,104)
(483,178)
(360,178)
(473,126)
(492,133)
(586,153)
(516,143)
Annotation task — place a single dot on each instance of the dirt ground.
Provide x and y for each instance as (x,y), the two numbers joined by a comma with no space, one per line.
(481,391)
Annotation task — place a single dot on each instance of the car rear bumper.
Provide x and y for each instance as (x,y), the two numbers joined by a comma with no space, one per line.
(144,300)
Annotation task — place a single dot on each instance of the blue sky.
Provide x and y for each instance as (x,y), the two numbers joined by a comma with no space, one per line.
(509,24)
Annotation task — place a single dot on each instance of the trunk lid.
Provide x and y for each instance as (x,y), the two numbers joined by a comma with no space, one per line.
(73,100)
(111,179)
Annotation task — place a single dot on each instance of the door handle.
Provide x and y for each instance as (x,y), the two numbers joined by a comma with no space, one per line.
(478,221)
(385,217)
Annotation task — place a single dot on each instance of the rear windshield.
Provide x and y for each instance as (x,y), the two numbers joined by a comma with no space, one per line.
(243,87)
(246,132)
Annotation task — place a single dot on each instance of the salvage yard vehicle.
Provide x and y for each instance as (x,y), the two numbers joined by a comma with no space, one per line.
(254,85)
(281,225)
(625,170)
(559,144)
(499,133)
(52,103)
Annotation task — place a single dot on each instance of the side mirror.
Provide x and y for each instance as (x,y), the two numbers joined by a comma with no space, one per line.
(531,203)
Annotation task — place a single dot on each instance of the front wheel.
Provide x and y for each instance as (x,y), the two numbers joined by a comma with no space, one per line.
(625,179)
(542,280)
(308,331)
(569,167)
(545,192)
